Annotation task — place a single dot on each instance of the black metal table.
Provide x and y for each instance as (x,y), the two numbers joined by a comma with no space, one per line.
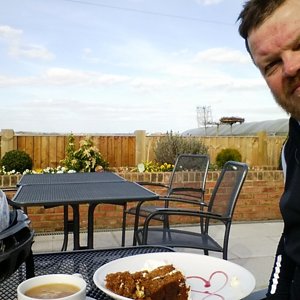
(85,262)
(50,190)
(63,178)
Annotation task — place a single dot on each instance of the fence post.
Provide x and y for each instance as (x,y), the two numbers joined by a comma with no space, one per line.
(140,150)
(262,148)
(7,141)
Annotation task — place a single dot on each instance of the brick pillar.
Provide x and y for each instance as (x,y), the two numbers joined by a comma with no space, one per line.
(7,141)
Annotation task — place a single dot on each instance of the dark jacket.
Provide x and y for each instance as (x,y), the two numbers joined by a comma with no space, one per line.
(288,252)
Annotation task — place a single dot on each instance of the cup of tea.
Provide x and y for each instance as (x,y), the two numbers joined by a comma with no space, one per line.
(53,286)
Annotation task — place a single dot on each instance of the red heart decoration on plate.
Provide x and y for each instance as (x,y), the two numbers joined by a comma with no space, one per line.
(211,286)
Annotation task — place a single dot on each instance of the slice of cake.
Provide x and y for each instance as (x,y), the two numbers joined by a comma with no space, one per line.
(162,283)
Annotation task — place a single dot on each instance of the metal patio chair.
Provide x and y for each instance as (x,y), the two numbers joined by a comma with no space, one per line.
(178,190)
(220,210)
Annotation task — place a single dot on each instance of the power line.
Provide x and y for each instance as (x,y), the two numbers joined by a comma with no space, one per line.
(150,12)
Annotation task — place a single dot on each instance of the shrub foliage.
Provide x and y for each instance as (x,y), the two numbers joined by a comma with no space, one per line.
(16,160)
(171,145)
(227,154)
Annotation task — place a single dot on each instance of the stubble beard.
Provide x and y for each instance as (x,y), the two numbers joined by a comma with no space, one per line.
(289,104)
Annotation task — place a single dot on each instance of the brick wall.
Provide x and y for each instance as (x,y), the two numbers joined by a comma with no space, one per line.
(258,201)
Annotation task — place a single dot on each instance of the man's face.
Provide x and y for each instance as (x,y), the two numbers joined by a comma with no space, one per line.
(275,49)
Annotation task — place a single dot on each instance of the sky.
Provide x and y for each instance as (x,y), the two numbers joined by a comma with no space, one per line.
(116,66)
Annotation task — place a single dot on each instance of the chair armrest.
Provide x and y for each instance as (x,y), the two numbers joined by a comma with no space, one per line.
(187,189)
(179,211)
(152,183)
(170,199)
(13,204)
(184,200)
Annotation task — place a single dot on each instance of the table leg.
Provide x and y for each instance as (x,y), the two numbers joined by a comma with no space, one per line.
(124,224)
(76,228)
(91,210)
(66,229)
(90,238)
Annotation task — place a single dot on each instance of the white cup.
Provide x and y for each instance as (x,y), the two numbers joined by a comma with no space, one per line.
(75,279)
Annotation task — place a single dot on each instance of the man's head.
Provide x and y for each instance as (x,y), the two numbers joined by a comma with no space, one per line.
(271,29)
(254,14)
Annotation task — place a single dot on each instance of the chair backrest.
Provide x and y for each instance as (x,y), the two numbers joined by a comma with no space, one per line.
(227,189)
(189,175)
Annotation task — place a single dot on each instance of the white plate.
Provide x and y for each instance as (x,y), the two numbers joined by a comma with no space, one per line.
(210,278)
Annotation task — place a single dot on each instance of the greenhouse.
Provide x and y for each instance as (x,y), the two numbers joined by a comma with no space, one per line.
(277,127)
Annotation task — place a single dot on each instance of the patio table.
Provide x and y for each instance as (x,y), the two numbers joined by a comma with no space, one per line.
(85,262)
(50,190)
(63,178)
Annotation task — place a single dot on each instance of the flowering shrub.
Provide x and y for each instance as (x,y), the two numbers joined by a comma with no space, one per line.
(47,170)
(85,159)
(50,170)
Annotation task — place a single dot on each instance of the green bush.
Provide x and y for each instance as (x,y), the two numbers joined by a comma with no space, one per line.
(85,159)
(170,146)
(227,154)
(16,160)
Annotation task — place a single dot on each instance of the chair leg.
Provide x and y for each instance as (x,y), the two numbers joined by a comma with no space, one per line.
(225,254)
(136,226)
(124,225)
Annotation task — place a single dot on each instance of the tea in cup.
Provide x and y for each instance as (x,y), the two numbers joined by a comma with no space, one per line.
(53,286)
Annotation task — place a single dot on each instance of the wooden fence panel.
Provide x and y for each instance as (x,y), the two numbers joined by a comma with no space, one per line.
(110,152)
(117,149)
(124,148)
(21,143)
(101,144)
(36,155)
(45,145)
(274,149)
(53,159)
(61,145)
(131,151)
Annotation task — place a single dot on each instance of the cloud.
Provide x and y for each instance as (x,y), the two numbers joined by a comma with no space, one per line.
(31,51)
(148,84)
(6,81)
(87,55)
(63,76)
(8,33)
(18,49)
(223,55)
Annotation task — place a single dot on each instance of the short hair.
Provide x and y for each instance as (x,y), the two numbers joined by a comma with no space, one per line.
(254,13)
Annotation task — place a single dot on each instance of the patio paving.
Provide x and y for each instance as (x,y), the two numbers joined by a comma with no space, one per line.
(252,245)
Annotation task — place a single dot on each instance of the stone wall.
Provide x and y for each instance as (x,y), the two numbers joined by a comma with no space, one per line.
(258,201)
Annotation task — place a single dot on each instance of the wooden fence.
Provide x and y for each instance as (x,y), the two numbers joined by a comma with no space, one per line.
(128,150)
